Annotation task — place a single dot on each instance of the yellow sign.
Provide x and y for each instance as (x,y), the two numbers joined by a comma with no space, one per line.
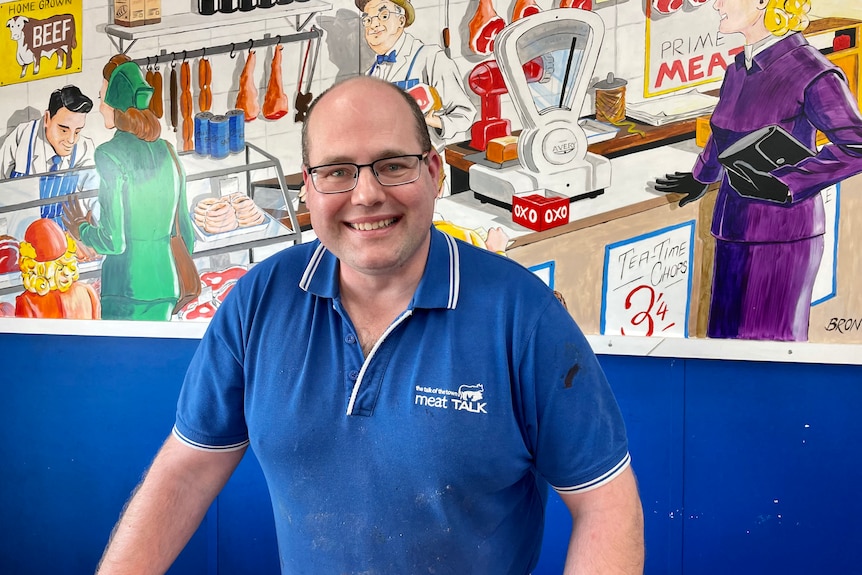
(42,39)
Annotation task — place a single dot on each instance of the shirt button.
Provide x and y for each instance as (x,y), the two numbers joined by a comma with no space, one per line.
(353,375)
(351,339)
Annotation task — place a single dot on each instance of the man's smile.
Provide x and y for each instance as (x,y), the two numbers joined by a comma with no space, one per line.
(369,226)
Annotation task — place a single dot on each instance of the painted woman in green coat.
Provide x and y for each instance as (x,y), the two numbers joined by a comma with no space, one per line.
(141,187)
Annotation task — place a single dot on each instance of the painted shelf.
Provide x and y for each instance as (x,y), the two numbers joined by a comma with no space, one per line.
(191,22)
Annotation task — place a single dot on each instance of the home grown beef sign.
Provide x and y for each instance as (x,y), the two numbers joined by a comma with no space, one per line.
(684,46)
(42,39)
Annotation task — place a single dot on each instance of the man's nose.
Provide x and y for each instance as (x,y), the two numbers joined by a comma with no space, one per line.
(368,190)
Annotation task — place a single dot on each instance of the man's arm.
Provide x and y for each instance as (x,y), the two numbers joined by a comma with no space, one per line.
(166,508)
(7,152)
(607,529)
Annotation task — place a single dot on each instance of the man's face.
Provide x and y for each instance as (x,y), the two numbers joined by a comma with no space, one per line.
(372,229)
(383,25)
(63,129)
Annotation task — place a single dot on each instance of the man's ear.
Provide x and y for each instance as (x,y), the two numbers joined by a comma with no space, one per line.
(435,168)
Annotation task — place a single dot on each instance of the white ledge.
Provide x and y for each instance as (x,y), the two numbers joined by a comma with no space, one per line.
(674,348)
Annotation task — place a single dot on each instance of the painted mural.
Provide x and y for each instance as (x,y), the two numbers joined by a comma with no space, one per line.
(674,168)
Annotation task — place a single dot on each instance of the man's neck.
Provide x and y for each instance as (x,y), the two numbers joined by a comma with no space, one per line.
(373,305)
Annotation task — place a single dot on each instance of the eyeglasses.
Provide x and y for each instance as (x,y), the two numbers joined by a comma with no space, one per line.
(394,171)
(382,16)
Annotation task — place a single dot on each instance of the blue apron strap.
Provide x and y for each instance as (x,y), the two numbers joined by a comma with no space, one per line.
(30,147)
(56,185)
(16,173)
(412,62)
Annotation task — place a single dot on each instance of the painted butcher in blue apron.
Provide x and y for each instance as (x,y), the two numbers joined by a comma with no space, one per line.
(407,62)
(49,144)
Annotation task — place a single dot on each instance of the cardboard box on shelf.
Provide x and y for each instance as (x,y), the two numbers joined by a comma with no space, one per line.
(153,14)
(130,12)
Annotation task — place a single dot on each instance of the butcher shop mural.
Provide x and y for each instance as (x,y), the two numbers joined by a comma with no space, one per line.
(44,40)
(607,145)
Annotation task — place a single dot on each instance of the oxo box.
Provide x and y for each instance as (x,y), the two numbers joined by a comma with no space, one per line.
(540,209)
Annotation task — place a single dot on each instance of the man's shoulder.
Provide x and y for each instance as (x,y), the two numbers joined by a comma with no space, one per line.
(480,265)
(287,266)
(16,134)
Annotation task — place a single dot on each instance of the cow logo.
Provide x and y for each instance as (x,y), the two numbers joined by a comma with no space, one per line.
(471,392)
(39,39)
(43,40)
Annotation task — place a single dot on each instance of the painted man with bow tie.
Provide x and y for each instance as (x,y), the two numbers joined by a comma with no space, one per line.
(409,63)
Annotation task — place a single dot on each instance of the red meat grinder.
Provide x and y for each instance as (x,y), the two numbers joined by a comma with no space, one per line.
(487,82)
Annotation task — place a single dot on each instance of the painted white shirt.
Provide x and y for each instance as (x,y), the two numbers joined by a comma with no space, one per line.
(434,68)
(16,146)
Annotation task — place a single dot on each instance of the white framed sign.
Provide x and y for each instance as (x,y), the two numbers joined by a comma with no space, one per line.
(646,287)
(685,49)
(824,283)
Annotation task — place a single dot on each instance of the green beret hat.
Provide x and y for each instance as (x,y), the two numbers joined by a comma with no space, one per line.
(128,89)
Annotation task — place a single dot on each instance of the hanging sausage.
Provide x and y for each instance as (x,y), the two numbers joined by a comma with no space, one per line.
(157,102)
(186,106)
(246,99)
(174,96)
(484,27)
(275,100)
(205,78)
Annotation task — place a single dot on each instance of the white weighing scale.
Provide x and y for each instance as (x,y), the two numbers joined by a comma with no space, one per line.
(552,146)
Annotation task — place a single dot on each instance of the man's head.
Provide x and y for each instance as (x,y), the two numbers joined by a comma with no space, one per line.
(383,21)
(65,118)
(373,229)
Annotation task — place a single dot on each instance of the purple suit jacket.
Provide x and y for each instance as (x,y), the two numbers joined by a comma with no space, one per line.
(792,85)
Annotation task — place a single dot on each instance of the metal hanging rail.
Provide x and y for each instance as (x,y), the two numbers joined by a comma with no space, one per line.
(165,57)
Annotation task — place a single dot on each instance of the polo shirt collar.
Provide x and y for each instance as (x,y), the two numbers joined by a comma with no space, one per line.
(439,287)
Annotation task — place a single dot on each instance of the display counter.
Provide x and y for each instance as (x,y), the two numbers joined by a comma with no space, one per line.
(584,254)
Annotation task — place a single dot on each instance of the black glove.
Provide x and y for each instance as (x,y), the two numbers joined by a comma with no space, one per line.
(681,183)
(750,182)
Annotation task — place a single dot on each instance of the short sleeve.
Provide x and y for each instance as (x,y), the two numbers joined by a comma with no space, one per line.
(210,410)
(573,420)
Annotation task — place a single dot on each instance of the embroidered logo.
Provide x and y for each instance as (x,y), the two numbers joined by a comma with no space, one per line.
(467,398)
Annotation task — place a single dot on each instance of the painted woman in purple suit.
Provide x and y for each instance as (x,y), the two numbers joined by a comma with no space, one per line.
(769,226)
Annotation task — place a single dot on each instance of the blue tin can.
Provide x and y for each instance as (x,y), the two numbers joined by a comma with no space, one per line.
(236,130)
(218,137)
(202,133)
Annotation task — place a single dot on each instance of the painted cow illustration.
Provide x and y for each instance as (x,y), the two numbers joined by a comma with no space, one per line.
(39,39)
(471,392)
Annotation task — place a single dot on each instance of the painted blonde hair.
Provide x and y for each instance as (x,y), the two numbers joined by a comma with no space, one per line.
(55,275)
(783,16)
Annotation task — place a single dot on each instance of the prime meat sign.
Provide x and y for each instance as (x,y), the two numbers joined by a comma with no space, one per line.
(42,39)
(684,47)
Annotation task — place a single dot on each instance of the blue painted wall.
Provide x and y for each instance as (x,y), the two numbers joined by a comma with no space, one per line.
(744,468)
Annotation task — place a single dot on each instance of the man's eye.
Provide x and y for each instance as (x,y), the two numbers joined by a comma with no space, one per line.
(336,172)
(392,166)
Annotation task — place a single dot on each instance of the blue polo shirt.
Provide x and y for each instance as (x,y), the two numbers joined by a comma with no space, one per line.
(432,454)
